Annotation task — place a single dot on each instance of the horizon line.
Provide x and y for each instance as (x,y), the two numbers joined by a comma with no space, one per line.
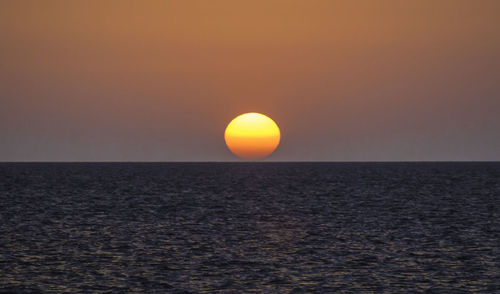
(263,161)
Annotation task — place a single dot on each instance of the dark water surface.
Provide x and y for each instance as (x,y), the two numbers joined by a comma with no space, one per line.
(250,227)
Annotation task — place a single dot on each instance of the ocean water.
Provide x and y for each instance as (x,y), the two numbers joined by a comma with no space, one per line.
(250,227)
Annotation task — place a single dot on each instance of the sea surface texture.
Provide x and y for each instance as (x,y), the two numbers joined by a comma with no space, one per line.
(250,227)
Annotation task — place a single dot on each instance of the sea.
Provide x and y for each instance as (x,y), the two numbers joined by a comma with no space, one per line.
(256,227)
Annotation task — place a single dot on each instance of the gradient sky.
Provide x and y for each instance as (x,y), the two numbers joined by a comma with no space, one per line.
(159,81)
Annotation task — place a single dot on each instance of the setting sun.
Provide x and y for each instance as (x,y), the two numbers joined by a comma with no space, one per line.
(252,136)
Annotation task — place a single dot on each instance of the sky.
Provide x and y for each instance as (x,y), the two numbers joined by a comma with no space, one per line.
(160,80)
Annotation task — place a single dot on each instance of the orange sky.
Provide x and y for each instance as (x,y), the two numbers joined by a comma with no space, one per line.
(160,80)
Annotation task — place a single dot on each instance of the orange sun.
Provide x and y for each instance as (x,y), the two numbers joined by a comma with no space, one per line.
(252,136)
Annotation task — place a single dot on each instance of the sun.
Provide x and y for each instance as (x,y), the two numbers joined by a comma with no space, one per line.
(252,136)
